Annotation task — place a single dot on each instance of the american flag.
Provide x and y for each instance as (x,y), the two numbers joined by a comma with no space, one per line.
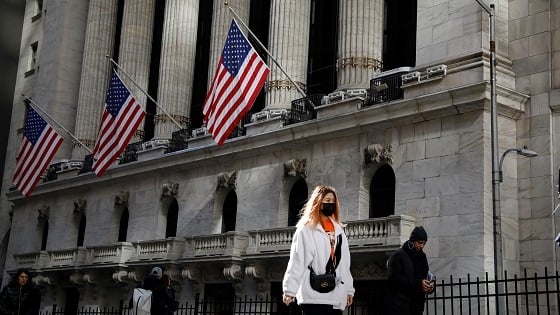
(119,122)
(238,80)
(40,143)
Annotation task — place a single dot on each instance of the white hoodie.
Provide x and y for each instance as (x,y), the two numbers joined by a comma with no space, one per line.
(311,246)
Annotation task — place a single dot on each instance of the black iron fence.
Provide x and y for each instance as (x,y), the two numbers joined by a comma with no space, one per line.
(526,294)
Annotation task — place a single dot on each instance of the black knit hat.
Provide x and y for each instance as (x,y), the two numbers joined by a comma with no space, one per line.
(419,234)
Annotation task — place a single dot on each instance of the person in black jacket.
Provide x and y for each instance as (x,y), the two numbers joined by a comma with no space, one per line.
(408,271)
(163,298)
(20,296)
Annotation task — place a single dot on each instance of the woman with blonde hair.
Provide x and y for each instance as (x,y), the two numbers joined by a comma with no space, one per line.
(319,247)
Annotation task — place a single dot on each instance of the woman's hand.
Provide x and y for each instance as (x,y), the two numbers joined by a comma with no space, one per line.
(287,299)
(349,300)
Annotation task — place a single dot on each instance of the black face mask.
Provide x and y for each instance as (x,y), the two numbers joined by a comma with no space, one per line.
(328,209)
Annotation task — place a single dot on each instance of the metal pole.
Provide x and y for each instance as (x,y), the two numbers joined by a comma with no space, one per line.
(264,48)
(34,105)
(496,213)
(146,93)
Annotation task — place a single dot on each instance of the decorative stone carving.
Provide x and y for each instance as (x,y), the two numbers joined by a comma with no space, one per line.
(89,278)
(296,167)
(121,276)
(121,198)
(257,271)
(42,280)
(191,273)
(227,180)
(174,274)
(79,206)
(233,272)
(133,276)
(379,153)
(43,214)
(169,190)
(75,278)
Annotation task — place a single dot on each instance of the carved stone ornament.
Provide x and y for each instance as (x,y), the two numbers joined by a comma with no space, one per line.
(257,271)
(42,280)
(79,206)
(43,213)
(233,272)
(379,153)
(169,190)
(227,180)
(174,274)
(76,278)
(296,167)
(120,276)
(121,198)
(191,273)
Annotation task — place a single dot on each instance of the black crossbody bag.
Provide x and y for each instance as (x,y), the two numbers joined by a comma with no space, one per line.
(326,282)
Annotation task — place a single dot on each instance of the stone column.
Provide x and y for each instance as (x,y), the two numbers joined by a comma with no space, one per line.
(176,71)
(289,42)
(221,20)
(135,49)
(99,42)
(360,42)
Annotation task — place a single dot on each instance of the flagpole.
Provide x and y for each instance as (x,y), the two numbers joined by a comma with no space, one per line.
(264,48)
(31,102)
(146,93)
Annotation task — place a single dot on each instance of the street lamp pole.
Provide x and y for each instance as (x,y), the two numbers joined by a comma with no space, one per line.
(497,225)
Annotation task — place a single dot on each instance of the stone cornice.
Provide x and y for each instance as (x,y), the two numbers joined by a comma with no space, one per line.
(439,104)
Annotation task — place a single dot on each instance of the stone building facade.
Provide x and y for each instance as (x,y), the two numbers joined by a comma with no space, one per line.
(399,124)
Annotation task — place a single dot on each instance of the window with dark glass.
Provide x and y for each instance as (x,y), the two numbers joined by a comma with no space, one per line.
(229,213)
(382,193)
(298,197)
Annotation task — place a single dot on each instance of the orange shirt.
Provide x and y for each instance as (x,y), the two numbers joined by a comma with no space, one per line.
(328,226)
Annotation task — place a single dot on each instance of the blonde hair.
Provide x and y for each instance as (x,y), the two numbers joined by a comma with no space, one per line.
(310,213)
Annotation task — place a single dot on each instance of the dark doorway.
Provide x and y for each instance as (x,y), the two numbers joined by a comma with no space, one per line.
(298,197)
(123,225)
(382,193)
(219,298)
(172,217)
(229,212)
(72,299)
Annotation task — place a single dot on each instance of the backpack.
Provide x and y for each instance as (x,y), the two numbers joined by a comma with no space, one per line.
(141,301)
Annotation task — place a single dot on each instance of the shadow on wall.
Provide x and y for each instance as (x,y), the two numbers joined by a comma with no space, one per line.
(11,20)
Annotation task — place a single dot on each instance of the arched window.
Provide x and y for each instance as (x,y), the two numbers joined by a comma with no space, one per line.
(81,231)
(229,212)
(298,197)
(123,225)
(172,217)
(382,193)
(45,235)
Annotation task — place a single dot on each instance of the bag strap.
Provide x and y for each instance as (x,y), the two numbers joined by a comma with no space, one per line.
(331,266)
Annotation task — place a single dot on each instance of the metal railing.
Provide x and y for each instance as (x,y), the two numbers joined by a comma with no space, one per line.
(528,294)
(303,109)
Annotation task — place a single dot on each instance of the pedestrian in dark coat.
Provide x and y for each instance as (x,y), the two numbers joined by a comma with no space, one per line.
(163,298)
(20,296)
(408,270)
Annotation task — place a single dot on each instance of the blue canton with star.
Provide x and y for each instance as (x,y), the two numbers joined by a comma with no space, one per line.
(34,125)
(116,95)
(235,50)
